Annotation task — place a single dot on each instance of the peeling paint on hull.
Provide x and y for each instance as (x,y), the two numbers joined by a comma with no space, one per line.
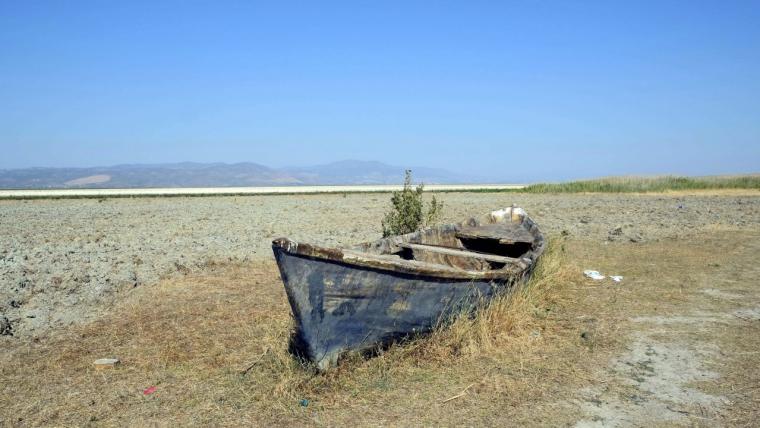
(340,307)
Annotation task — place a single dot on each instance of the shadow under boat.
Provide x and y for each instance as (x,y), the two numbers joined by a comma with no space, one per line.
(366,296)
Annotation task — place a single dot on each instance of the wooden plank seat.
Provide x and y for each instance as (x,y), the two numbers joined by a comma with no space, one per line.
(386,260)
(505,233)
(459,253)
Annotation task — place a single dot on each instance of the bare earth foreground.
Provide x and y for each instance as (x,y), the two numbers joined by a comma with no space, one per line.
(185,292)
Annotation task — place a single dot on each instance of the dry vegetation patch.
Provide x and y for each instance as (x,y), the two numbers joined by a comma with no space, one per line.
(215,347)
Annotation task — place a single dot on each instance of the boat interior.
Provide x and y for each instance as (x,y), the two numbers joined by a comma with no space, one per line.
(493,243)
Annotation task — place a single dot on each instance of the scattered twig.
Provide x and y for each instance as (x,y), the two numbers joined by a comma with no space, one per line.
(683,412)
(746,388)
(253,364)
(460,395)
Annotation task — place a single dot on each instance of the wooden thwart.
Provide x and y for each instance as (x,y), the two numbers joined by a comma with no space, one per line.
(384,260)
(460,253)
(504,233)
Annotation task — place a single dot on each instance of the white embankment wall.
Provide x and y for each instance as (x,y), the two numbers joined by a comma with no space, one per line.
(200,191)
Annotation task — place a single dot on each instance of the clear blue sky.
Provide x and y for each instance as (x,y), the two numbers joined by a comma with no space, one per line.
(511,90)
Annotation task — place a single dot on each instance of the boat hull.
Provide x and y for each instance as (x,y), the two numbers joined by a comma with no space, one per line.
(340,306)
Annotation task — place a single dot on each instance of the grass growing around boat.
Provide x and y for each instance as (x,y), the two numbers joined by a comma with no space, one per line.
(504,319)
(282,381)
(642,184)
(215,347)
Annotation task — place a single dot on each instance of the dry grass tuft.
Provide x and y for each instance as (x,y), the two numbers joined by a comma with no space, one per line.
(506,320)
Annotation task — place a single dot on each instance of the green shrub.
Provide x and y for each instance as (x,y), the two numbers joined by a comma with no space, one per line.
(408,211)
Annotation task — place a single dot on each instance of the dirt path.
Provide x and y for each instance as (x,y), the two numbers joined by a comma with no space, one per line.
(685,355)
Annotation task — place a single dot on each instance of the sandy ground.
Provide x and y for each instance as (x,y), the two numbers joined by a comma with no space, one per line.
(675,344)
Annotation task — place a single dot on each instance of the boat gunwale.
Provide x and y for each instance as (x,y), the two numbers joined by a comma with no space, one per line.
(377,262)
(354,256)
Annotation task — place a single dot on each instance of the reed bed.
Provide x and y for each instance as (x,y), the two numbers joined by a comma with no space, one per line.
(644,185)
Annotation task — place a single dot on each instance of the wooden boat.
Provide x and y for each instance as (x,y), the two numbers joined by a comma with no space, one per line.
(368,295)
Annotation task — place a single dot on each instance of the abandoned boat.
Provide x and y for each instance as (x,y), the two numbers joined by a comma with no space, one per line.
(368,295)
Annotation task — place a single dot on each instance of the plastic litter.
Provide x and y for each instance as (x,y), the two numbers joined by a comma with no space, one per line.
(150,390)
(106,363)
(595,275)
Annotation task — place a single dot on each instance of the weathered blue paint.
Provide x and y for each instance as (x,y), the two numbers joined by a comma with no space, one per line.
(339,306)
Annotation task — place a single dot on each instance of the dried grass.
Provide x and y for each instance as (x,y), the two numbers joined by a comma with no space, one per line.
(216,348)
(505,319)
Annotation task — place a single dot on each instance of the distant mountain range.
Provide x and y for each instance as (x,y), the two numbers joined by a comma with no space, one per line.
(190,174)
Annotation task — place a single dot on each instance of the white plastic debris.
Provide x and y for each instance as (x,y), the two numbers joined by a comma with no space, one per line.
(514,213)
(518,214)
(616,278)
(593,274)
(106,363)
(499,215)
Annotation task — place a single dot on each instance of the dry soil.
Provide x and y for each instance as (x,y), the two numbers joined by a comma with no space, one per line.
(675,343)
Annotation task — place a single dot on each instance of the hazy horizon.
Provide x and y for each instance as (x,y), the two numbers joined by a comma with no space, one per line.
(527,177)
(353,164)
(527,91)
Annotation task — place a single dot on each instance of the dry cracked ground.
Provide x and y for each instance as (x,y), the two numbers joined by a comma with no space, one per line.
(185,293)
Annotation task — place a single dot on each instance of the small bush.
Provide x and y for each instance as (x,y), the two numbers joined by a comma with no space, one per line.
(408,211)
